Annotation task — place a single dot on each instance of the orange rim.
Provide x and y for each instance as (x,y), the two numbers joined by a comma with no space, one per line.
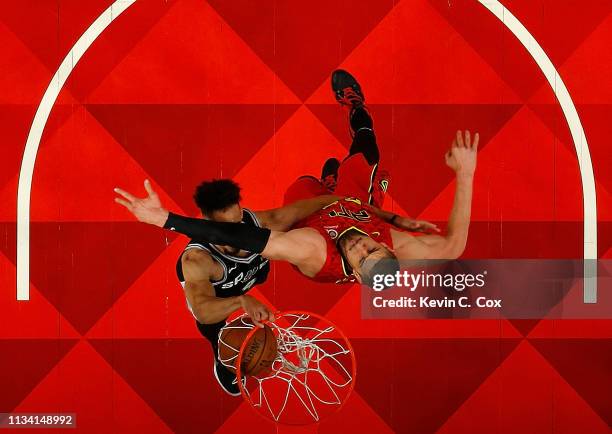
(279,315)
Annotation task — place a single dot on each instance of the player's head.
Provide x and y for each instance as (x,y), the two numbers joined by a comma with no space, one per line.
(366,257)
(219,200)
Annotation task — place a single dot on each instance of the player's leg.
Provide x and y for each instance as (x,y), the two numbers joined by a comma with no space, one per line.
(364,139)
(226,378)
(348,93)
(359,174)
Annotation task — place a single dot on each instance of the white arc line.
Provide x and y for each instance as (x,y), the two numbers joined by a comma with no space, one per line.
(589,198)
(33,142)
(510,21)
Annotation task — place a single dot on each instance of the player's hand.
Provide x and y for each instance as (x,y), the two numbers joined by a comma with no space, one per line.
(148,209)
(256,310)
(415,225)
(461,157)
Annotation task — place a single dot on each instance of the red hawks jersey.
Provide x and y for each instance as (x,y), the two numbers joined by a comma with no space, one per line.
(332,222)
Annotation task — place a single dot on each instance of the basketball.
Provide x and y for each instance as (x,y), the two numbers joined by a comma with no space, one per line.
(259,352)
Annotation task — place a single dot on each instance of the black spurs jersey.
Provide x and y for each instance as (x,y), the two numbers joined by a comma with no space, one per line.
(239,274)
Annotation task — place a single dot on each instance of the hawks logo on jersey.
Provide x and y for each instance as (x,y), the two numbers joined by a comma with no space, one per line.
(332,231)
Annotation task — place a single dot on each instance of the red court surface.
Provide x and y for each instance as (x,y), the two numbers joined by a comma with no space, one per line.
(180,91)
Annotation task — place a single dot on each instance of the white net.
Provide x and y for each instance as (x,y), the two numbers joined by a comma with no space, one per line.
(229,356)
(312,375)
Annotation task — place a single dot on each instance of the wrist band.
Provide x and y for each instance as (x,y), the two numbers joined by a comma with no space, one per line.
(392,221)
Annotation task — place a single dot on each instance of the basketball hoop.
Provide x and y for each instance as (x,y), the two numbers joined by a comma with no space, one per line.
(312,375)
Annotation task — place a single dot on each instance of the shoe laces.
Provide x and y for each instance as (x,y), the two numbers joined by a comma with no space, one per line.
(351,97)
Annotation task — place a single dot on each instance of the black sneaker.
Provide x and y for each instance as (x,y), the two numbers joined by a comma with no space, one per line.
(346,89)
(226,379)
(349,94)
(329,174)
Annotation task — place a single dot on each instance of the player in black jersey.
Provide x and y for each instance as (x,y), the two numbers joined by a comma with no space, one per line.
(216,278)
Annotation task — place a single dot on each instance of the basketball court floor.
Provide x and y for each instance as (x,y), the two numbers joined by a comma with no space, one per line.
(186,90)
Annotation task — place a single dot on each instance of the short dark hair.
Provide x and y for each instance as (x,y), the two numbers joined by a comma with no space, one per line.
(216,195)
(389,265)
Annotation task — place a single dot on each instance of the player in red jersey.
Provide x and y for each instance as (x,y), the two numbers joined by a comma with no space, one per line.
(316,250)
(358,177)
(348,238)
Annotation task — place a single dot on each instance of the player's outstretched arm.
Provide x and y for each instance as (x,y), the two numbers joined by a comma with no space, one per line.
(150,210)
(282,219)
(198,269)
(403,222)
(300,247)
(294,248)
(462,159)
